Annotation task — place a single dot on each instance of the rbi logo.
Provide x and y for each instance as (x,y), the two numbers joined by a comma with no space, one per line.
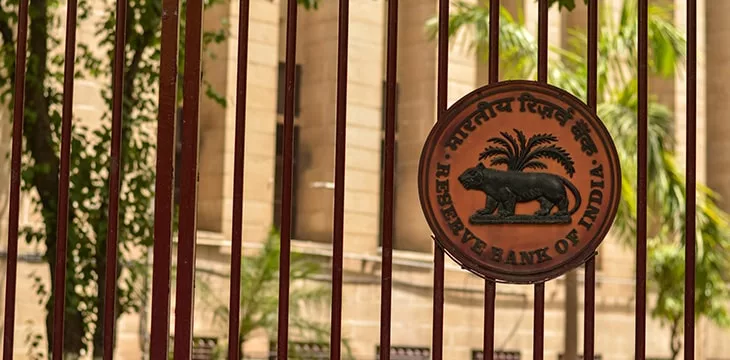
(519,182)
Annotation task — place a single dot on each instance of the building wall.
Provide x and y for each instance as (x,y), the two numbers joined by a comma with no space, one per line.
(416,114)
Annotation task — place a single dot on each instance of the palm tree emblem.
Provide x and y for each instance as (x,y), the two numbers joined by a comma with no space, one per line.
(522,153)
(505,188)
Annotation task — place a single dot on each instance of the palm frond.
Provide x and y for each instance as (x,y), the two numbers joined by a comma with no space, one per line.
(506,145)
(540,139)
(555,153)
(515,150)
(493,151)
(522,139)
(535,165)
(500,161)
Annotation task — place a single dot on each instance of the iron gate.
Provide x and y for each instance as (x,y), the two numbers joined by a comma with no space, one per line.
(187,232)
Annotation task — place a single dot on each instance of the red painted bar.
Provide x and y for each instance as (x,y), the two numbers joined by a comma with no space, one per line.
(542,76)
(538,338)
(640,329)
(437,342)
(490,292)
(589,303)
(164,181)
(234,306)
(386,284)
(691,167)
(185,283)
(589,310)
(59,274)
(112,235)
(15,162)
(490,287)
(339,205)
(282,350)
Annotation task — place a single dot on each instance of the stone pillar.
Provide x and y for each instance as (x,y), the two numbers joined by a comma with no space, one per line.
(317,53)
(717,89)
(680,110)
(416,115)
(217,124)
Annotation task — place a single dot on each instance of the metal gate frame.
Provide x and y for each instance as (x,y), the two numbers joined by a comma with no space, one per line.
(187,232)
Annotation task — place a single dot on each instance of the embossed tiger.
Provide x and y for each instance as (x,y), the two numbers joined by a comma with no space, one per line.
(504,189)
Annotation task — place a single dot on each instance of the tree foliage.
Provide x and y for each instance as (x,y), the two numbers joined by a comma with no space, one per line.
(618,104)
(90,155)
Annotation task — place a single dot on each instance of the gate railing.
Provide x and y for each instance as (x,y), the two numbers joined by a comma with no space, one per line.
(187,233)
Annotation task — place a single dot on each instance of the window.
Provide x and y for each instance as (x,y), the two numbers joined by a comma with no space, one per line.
(204,348)
(406,353)
(498,355)
(281,89)
(279,176)
(580,357)
(304,350)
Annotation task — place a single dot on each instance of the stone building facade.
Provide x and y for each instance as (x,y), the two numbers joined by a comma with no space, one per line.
(314,176)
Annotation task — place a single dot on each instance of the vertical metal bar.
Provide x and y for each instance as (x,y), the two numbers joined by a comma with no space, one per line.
(112,236)
(437,343)
(386,284)
(185,284)
(589,303)
(15,161)
(490,287)
(339,205)
(494,8)
(542,41)
(490,292)
(691,167)
(282,350)
(542,76)
(589,310)
(234,306)
(164,181)
(538,338)
(59,286)
(640,331)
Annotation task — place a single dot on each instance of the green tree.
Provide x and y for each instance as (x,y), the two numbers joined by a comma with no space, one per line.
(260,296)
(618,103)
(89,190)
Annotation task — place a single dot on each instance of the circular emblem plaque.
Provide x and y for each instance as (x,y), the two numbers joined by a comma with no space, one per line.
(520,182)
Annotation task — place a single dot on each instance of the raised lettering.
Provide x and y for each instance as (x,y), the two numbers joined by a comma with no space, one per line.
(442,170)
(468,235)
(590,213)
(561,246)
(542,255)
(597,184)
(526,258)
(573,237)
(444,199)
(442,186)
(449,212)
(478,246)
(456,226)
(597,171)
(497,254)
(511,258)
(596,196)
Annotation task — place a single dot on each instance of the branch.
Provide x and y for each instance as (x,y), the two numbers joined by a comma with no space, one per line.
(6,34)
